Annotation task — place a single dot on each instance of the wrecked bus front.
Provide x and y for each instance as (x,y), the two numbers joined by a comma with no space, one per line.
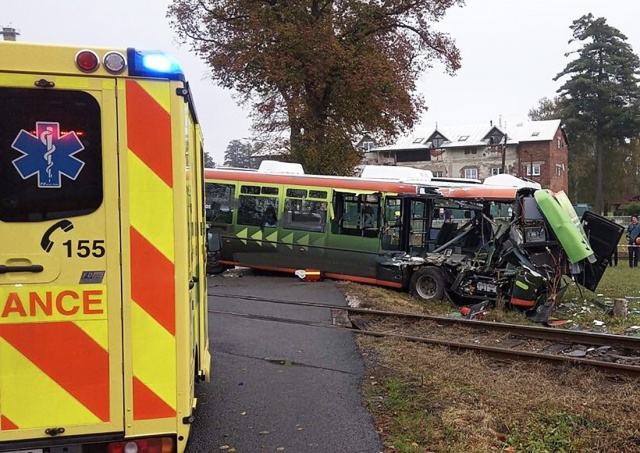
(525,260)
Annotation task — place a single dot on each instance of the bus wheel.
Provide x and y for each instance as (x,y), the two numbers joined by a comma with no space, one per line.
(214,267)
(427,284)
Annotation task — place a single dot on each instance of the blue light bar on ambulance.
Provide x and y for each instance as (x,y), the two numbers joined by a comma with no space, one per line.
(153,64)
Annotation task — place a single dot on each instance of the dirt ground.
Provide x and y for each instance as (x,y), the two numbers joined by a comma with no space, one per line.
(430,399)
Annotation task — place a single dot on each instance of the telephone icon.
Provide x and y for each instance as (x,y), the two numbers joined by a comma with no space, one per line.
(46,243)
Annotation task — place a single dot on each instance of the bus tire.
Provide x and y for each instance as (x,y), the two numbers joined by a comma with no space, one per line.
(427,284)
(213,265)
(215,268)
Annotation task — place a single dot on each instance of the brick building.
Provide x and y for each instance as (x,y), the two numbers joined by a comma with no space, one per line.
(537,150)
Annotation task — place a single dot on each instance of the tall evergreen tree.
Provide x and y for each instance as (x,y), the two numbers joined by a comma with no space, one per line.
(208,161)
(601,102)
(238,154)
(581,161)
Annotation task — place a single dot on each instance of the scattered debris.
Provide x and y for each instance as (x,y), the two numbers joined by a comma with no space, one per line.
(555,348)
(237,272)
(607,309)
(340,317)
(352,301)
(309,275)
(477,311)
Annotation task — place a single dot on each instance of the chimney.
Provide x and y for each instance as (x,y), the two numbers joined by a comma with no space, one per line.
(9,33)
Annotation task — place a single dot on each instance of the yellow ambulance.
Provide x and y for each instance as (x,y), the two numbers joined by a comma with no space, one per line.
(103,301)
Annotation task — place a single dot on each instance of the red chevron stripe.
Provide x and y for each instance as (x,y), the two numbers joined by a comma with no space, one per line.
(149,131)
(152,281)
(6,424)
(147,405)
(68,356)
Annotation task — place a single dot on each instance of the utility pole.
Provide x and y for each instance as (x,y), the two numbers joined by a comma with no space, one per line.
(531,163)
(504,152)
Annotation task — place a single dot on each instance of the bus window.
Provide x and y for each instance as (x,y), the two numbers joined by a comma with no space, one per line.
(420,225)
(67,185)
(219,202)
(297,193)
(392,224)
(321,194)
(357,215)
(256,210)
(307,215)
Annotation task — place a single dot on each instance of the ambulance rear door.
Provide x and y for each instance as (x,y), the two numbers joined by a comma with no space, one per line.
(60,283)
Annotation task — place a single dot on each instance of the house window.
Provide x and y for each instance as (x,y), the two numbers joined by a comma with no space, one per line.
(438,174)
(496,171)
(419,140)
(559,169)
(560,144)
(368,145)
(535,134)
(463,138)
(495,139)
(536,170)
(471,173)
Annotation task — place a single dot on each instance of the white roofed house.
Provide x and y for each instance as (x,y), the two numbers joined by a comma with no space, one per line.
(537,150)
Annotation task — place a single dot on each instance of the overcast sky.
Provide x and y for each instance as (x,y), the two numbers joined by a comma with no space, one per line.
(511,50)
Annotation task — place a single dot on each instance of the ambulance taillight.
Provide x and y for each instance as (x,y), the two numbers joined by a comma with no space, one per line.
(87,60)
(150,445)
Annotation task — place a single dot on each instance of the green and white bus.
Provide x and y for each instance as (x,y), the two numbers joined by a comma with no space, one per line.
(400,228)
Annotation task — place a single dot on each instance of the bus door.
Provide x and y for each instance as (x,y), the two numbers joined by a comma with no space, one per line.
(255,242)
(302,229)
(60,290)
(355,227)
(420,218)
(393,238)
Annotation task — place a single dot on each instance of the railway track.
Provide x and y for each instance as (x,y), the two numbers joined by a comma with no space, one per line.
(613,354)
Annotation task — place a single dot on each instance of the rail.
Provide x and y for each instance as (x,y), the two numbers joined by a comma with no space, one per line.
(611,348)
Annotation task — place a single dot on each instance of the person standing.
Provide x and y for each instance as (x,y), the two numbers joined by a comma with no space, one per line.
(633,232)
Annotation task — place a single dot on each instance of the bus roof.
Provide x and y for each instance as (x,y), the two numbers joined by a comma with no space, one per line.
(436,187)
(336,182)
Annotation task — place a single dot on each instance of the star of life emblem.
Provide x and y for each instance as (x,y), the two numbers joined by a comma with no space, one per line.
(48,155)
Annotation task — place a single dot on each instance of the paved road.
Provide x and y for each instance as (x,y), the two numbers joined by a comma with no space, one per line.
(254,403)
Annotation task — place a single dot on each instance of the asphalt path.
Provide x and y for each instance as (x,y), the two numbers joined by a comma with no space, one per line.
(280,386)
